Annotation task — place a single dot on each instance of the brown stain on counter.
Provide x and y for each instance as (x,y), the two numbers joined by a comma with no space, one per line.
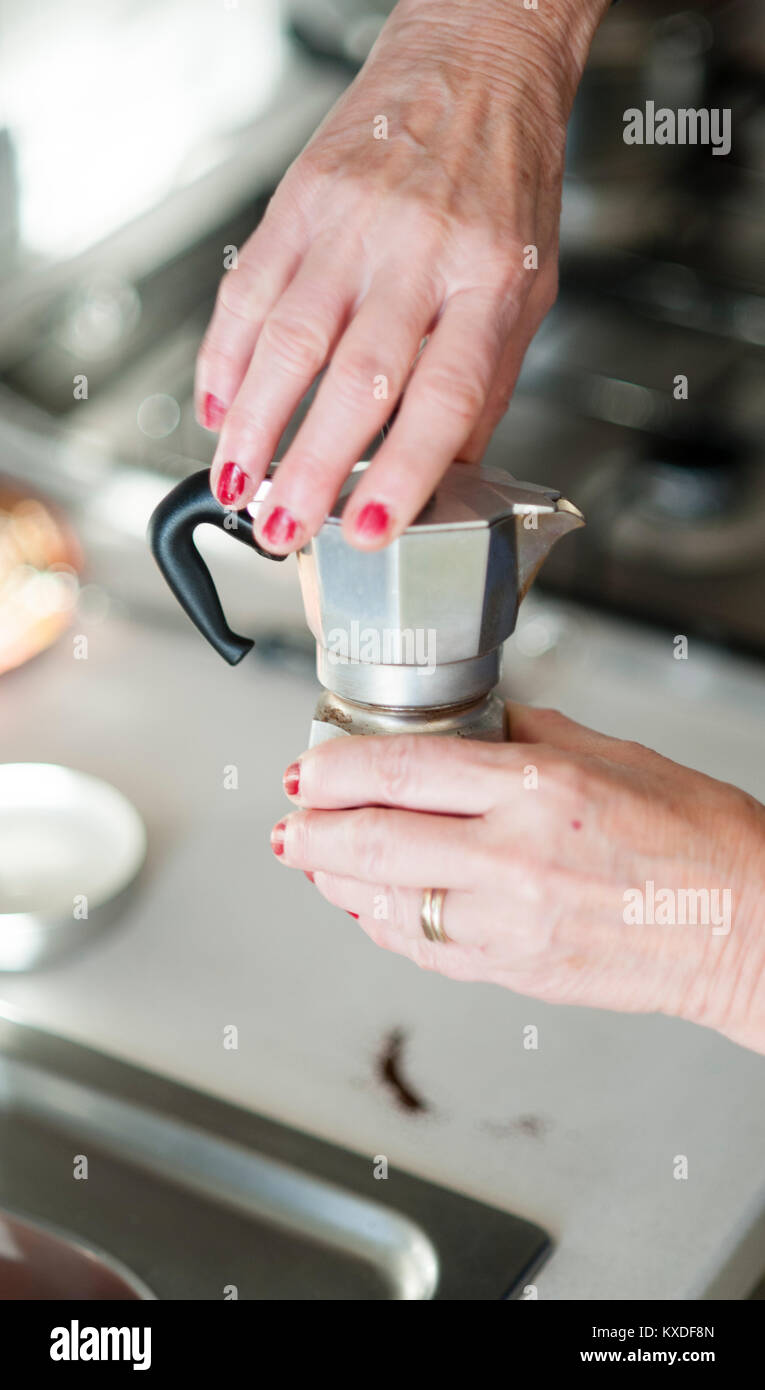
(388,1068)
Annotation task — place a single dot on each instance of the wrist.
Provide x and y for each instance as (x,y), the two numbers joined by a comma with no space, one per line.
(732,999)
(743,1019)
(496,35)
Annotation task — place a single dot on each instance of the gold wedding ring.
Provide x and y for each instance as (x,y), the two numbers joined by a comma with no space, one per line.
(432,914)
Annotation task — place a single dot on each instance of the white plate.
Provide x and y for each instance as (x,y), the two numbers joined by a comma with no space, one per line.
(70,845)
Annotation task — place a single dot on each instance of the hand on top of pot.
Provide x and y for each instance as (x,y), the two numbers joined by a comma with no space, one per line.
(426,206)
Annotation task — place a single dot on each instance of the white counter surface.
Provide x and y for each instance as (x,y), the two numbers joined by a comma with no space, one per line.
(580,1135)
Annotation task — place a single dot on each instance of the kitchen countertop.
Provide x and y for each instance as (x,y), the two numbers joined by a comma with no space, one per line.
(580,1135)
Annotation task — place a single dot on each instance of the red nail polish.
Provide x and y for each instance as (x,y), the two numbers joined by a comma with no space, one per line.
(372,521)
(353,914)
(280,527)
(291,779)
(277,838)
(213,412)
(308,875)
(231,484)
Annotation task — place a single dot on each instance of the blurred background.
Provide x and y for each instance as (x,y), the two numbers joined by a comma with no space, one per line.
(138,141)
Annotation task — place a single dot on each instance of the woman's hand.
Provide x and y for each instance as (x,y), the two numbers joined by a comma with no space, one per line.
(427,203)
(552,848)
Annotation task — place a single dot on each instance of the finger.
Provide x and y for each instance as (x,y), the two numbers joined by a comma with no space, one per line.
(246,294)
(500,393)
(406,848)
(528,725)
(454,958)
(361,385)
(540,300)
(400,909)
(438,412)
(297,337)
(447,775)
(474,921)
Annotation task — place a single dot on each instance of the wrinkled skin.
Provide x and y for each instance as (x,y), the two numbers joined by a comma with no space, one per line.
(536,876)
(370,244)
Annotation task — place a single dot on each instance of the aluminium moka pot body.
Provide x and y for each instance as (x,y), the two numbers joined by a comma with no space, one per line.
(408,638)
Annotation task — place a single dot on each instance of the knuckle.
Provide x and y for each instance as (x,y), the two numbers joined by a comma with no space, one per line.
(548,290)
(233,295)
(301,836)
(329,886)
(244,424)
(569,776)
(397,769)
(459,393)
(315,172)
(636,752)
(353,378)
(499,399)
(487,847)
(299,346)
(552,279)
(504,268)
(316,772)
(548,717)
(638,749)
(432,226)
(494,259)
(398,899)
(367,842)
(217,348)
(377,932)
(427,955)
(315,482)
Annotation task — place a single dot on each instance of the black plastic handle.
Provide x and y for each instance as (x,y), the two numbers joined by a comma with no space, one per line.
(171,537)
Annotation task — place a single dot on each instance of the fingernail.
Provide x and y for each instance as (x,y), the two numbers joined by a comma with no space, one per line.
(308,875)
(353,914)
(213,411)
(280,527)
(277,838)
(372,521)
(291,779)
(231,484)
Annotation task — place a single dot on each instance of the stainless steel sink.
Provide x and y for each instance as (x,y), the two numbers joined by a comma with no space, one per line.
(201,1200)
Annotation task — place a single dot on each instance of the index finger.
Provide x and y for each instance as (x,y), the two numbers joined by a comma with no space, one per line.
(451,776)
(438,413)
(265,266)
